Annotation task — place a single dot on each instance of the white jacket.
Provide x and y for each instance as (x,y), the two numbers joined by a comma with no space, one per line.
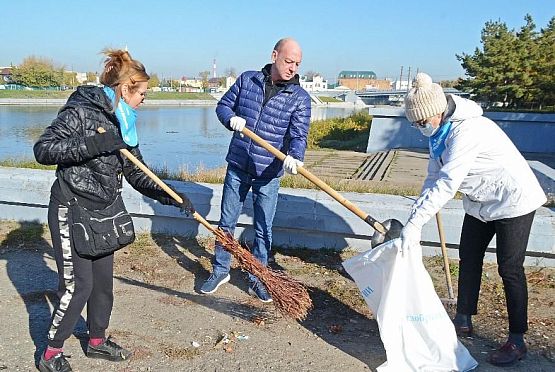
(482,163)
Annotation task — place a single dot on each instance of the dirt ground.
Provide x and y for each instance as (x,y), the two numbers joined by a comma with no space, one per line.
(171,327)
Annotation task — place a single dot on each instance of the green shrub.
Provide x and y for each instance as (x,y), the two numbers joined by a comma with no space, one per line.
(350,133)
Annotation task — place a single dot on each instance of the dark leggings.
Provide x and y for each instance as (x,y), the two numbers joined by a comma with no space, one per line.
(80,281)
(512,239)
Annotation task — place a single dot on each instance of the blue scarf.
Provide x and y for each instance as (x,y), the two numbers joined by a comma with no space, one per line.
(127,117)
(437,141)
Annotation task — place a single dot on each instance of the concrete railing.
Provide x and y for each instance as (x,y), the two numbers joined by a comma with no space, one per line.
(529,132)
(304,218)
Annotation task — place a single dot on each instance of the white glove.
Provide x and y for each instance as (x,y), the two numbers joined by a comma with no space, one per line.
(410,235)
(237,123)
(290,164)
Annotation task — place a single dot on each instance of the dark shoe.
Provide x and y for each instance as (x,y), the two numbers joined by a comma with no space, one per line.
(108,350)
(463,325)
(463,331)
(212,284)
(259,291)
(507,355)
(57,363)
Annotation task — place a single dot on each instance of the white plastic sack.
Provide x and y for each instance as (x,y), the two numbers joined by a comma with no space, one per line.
(414,327)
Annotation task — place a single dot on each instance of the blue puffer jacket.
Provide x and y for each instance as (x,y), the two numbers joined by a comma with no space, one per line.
(283,121)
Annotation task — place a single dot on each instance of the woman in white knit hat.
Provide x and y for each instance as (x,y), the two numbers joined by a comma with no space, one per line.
(471,154)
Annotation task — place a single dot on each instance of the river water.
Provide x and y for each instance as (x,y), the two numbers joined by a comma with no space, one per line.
(169,136)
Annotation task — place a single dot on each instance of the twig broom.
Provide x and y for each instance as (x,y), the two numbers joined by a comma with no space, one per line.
(290,296)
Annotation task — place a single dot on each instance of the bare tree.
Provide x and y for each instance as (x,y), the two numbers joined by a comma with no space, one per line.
(204,77)
(230,72)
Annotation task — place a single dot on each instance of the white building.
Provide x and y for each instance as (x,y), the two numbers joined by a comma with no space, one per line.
(317,83)
(401,85)
(229,81)
(81,77)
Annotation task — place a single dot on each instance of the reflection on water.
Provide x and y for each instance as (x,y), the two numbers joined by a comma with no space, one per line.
(172,137)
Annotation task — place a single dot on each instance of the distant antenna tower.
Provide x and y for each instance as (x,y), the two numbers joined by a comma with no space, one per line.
(214,68)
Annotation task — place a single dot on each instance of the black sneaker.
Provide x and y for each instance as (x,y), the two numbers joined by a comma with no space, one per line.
(57,363)
(108,350)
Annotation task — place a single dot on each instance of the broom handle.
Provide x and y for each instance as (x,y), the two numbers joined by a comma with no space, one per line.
(161,183)
(444,254)
(318,182)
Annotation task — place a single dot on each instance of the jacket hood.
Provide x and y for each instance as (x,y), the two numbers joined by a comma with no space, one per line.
(91,96)
(459,109)
(267,71)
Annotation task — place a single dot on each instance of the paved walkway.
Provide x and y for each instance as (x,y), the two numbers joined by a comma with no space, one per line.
(399,166)
(407,167)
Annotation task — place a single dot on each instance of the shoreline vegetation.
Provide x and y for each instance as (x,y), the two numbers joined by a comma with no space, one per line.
(64,94)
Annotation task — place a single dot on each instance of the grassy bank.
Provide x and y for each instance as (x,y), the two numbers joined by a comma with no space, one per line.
(179,96)
(295,182)
(327,99)
(25,163)
(36,94)
(350,133)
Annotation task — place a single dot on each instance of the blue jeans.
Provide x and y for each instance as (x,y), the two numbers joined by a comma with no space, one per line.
(264,194)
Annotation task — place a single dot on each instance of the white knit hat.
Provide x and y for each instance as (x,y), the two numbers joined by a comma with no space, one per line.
(425,99)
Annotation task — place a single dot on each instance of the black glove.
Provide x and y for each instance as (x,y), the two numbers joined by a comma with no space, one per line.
(104,143)
(185,206)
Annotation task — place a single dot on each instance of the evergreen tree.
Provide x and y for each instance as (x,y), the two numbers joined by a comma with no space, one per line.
(523,88)
(516,69)
(492,69)
(545,77)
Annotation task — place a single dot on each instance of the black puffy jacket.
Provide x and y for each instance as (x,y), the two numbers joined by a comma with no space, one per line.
(94,180)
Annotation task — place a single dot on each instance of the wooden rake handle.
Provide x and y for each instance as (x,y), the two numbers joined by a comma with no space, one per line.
(161,183)
(318,182)
(445,258)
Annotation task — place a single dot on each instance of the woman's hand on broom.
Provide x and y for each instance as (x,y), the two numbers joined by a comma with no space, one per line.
(186,206)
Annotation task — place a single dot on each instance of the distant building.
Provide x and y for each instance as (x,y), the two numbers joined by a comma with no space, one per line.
(194,83)
(356,80)
(190,85)
(5,75)
(314,84)
(220,84)
(81,77)
(214,84)
(229,81)
(401,85)
(348,74)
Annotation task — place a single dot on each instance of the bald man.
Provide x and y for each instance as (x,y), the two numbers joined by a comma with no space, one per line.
(272,104)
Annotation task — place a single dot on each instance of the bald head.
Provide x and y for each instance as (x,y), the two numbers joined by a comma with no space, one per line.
(286,58)
(286,42)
